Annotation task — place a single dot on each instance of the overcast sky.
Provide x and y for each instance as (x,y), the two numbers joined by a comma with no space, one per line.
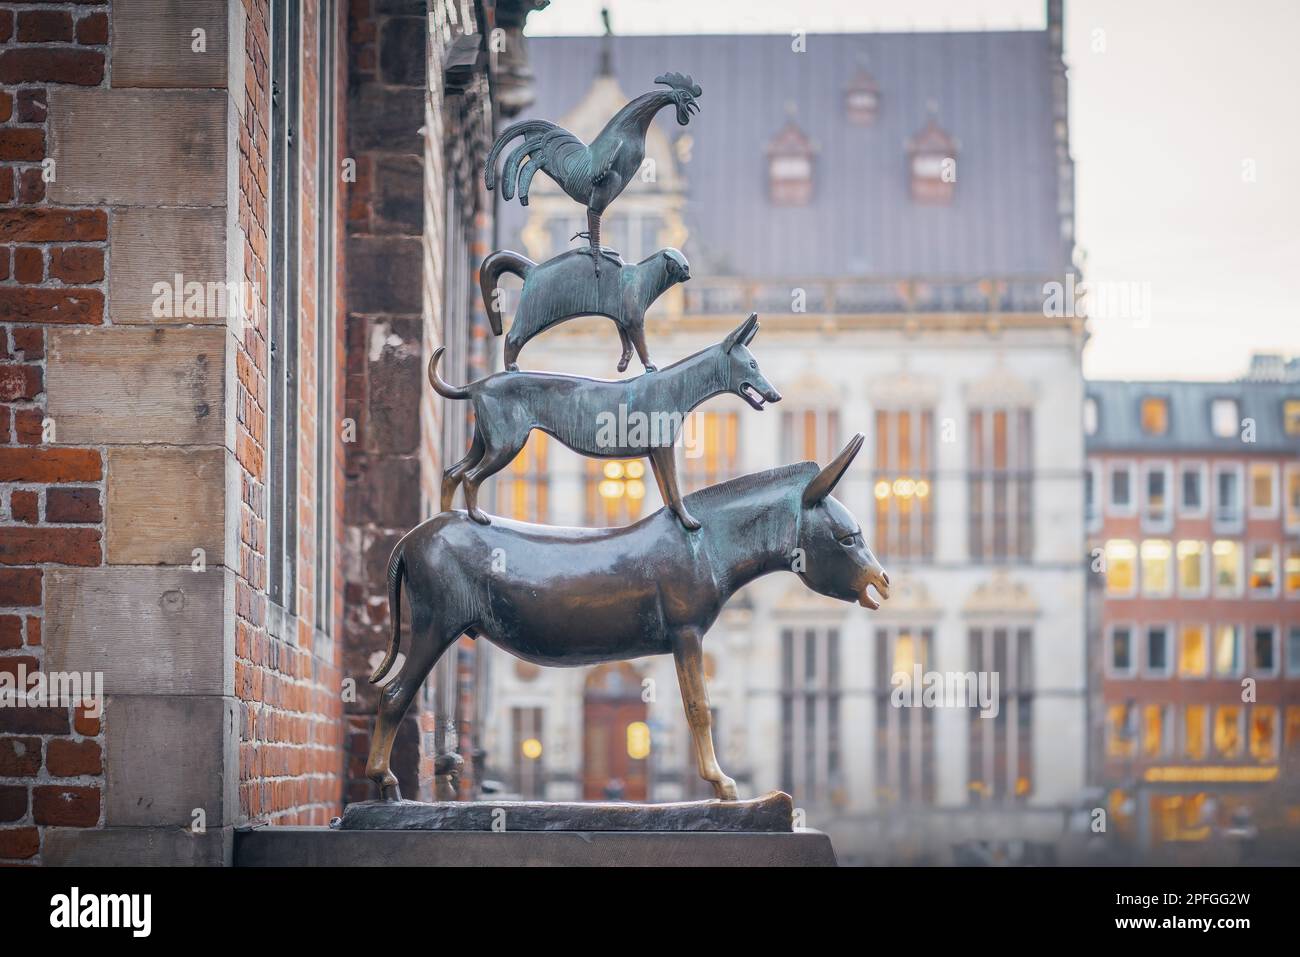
(1175,105)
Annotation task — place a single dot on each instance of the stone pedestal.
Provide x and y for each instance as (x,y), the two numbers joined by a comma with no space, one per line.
(333,847)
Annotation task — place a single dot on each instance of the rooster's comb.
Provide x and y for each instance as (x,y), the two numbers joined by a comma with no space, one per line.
(680,81)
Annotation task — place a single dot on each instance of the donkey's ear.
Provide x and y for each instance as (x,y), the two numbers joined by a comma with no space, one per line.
(742,334)
(825,480)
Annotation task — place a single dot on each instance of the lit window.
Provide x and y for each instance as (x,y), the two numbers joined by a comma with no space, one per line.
(1291,570)
(1227,568)
(1291,416)
(1263,570)
(1121,649)
(1227,651)
(1194,743)
(1293,497)
(1154,734)
(1223,418)
(1263,733)
(1191,568)
(1121,739)
(1155,415)
(1263,486)
(1157,650)
(1264,642)
(1227,731)
(1121,567)
(1157,568)
(1090,416)
(1193,659)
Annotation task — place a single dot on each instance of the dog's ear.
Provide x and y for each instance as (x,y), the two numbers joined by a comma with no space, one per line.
(742,334)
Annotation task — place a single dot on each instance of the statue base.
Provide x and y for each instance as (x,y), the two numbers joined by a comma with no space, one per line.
(330,847)
(771,813)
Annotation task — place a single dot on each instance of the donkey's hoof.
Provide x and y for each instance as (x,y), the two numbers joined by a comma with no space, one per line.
(391,792)
(725,789)
(651,367)
(512,367)
(622,364)
(689,521)
(479,516)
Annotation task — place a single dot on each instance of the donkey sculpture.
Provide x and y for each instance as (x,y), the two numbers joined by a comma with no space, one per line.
(577,596)
(603,418)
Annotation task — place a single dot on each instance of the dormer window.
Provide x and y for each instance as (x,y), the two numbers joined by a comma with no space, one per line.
(932,163)
(1223,418)
(862,99)
(1155,415)
(790,167)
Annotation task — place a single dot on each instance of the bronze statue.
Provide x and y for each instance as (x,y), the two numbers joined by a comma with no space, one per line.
(561,289)
(577,596)
(592,175)
(604,418)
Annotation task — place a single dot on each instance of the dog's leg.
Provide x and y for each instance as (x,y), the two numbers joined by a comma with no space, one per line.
(689,658)
(452,476)
(494,459)
(664,464)
(427,646)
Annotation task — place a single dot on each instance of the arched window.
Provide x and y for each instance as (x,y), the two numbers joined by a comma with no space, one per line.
(932,163)
(790,167)
(862,99)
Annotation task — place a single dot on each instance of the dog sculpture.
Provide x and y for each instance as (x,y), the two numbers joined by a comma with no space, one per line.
(562,288)
(603,418)
(577,596)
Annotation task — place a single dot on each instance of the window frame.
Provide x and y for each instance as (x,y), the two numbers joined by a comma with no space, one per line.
(1240,589)
(1148,522)
(1147,669)
(1206,584)
(1206,637)
(1111,670)
(1248,559)
(1268,511)
(1276,642)
(1230,523)
(1112,508)
(1217,402)
(1202,471)
(1137,568)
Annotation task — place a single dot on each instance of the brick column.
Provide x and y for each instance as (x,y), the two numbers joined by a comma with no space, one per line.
(385,377)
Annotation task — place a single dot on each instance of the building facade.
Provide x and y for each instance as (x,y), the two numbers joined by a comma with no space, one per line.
(892,206)
(1194,517)
(231,234)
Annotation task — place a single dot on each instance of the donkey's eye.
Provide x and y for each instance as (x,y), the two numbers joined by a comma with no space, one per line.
(848,540)
(753,364)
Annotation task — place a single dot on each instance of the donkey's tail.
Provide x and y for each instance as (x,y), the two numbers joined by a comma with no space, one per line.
(490,270)
(396,572)
(443,389)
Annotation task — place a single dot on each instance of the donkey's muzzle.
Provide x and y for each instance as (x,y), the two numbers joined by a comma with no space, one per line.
(878,579)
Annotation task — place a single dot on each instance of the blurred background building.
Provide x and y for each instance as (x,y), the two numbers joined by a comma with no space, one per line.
(1193,511)
(892,205)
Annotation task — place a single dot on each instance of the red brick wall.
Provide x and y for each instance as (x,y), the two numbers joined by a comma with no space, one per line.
(291,697)
(52,271)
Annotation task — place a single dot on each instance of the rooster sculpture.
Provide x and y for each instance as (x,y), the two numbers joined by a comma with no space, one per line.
(593,175)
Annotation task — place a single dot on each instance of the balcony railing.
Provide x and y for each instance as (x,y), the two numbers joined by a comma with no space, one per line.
(707,296)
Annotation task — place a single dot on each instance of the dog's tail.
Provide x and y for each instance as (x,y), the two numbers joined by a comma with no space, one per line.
(396,572)
(443,389)
(490,270)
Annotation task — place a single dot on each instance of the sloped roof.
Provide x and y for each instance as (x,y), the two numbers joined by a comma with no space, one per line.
(992,94)
(1119,426)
